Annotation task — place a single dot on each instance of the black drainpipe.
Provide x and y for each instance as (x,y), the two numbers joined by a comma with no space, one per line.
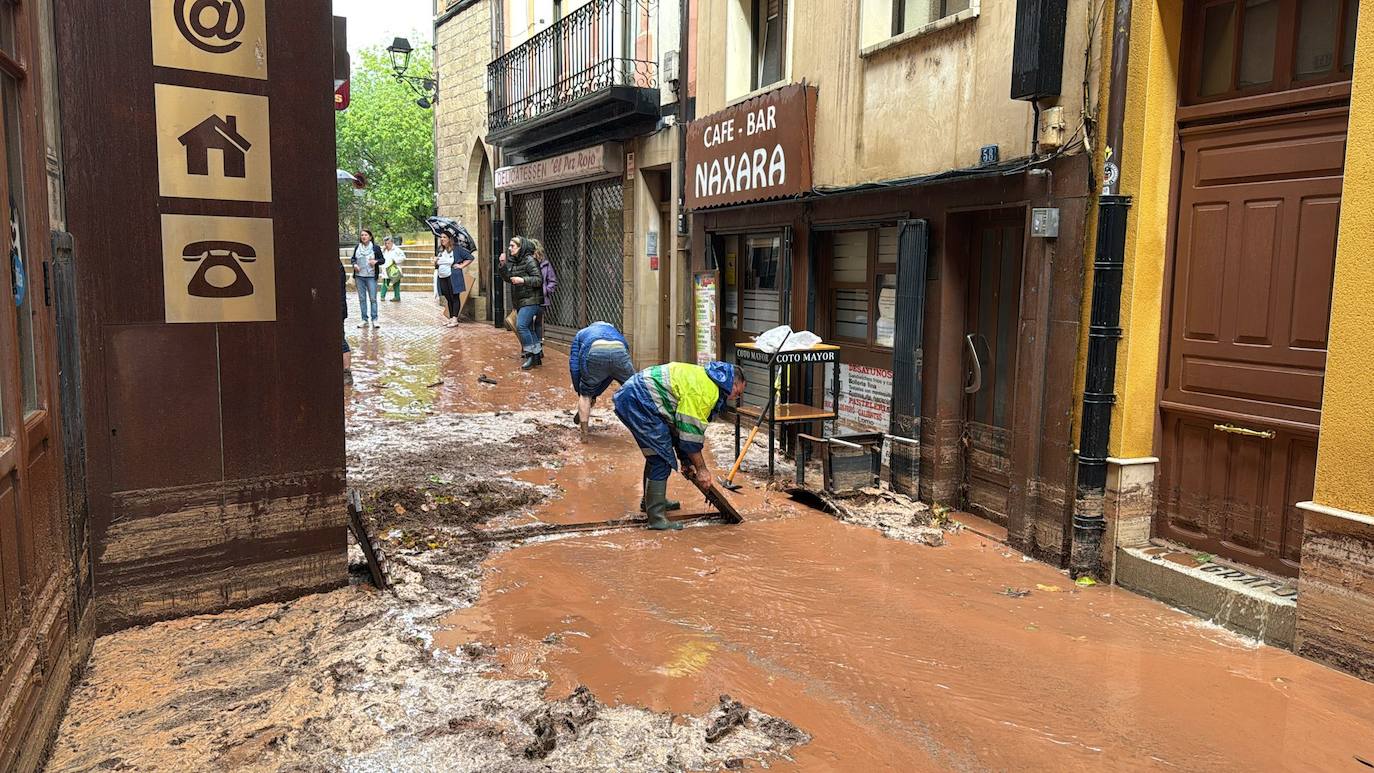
(1104,324)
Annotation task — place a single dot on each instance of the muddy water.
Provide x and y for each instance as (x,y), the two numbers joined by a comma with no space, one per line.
(901,656)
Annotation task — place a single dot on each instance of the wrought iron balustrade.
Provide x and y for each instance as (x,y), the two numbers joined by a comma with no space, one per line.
(602,45)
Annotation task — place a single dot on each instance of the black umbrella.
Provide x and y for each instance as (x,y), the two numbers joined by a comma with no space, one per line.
(456,232)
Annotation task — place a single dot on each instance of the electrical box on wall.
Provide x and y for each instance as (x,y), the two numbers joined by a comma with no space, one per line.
(1045,222)
(1052,128)
(1037,59)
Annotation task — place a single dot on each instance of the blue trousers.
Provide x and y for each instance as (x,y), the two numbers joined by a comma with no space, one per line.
(525,326)
(367,294)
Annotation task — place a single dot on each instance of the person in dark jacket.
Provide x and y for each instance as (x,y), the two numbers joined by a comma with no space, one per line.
(550,285)
(519,270)
(343,301)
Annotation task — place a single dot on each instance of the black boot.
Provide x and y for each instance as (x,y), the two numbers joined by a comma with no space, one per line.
(656,493)
(538,359)
(528,362)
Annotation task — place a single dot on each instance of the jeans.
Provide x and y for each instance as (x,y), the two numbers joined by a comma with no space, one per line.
(393,283)
(367,293)
(524,326)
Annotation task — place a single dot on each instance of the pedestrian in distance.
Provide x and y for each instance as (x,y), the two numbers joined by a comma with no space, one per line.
(448,274)
(519,270)
(550,285)
(347,351)
(392,270)
(666,408)
(367,260)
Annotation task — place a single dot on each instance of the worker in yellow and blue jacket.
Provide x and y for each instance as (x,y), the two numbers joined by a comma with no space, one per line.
(667,408)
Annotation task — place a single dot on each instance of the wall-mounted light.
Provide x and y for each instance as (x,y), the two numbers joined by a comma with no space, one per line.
(427,89)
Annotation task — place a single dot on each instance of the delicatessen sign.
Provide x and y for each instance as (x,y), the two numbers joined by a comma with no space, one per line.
(756,150)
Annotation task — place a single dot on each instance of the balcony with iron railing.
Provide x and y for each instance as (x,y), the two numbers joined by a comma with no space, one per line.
(588,76)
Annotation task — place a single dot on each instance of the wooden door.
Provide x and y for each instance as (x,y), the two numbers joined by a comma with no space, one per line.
(992,312)
(1250,303)
(751,298)
(35,565)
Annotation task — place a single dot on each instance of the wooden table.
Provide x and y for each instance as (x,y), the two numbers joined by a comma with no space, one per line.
(788,413)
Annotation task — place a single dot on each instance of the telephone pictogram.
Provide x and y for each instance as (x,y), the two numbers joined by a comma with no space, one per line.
(228,256)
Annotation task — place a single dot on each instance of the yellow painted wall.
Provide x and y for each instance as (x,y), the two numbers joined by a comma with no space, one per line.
(922,105)
(1146,160)
(1345,456)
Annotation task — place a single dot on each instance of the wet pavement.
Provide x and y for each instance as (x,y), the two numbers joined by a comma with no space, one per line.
(893,655)
(890,655)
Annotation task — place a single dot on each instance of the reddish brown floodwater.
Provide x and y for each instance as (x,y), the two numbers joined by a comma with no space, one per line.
(892,655)
(899,656)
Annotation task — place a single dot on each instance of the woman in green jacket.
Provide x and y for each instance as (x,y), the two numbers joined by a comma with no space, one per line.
(519,269)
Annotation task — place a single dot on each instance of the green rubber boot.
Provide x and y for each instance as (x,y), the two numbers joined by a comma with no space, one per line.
(673,504)
(656,492)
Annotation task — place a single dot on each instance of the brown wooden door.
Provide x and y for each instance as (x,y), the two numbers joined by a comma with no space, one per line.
(35,567)
(992,314)
(1250,303)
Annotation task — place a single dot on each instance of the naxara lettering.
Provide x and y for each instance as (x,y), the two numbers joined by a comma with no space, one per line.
(749,171)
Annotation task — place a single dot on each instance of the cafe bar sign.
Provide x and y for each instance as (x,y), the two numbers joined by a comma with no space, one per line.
(759,149)
(588,163)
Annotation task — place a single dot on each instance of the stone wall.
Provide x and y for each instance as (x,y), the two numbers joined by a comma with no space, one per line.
(462,51)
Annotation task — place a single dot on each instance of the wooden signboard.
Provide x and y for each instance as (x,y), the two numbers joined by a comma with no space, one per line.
(209,299)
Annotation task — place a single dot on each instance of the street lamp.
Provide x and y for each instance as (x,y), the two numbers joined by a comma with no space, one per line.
(426,88)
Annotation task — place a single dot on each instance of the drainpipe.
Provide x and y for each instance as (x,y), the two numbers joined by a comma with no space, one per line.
(1104,323)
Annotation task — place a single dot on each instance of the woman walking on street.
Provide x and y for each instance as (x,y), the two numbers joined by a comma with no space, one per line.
(550,282)
(449,265)
(519,269)
(391,269)
(367,257)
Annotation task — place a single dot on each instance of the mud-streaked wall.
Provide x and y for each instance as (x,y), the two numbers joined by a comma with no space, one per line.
(1336,601)
(215,450)
(905,106)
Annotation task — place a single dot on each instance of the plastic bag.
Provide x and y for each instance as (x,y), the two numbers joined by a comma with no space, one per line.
(769,340)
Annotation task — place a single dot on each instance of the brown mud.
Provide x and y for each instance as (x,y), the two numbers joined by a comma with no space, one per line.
(794,640)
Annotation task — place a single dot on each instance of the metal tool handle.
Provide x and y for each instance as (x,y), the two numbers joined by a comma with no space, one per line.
(1232,429)
(977,384)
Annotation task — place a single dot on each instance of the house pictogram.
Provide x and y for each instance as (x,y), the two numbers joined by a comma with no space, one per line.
(215,133)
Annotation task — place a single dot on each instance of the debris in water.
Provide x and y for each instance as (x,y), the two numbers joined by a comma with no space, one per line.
(1015,593)
(438,383)
(1086,582)
(483,378)
(545,737)
(729,715)
(1047,588)
(734,763)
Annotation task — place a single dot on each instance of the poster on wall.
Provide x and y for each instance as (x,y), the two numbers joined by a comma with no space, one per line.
(865,397)
(704,315)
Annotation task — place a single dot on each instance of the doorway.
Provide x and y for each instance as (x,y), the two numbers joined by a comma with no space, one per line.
(992,312)
(751,267)
(1256,210)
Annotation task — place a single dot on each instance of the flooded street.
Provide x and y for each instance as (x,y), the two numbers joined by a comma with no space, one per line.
(851,650)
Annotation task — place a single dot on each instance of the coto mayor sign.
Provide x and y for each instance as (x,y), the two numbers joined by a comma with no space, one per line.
(759,149)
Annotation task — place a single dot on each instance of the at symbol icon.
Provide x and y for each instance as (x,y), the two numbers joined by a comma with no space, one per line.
(204,21)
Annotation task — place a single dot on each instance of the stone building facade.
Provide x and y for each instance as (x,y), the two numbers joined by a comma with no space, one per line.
(462,48)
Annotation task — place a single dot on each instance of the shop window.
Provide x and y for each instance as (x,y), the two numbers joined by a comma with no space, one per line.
(1247,47)
(862,284)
